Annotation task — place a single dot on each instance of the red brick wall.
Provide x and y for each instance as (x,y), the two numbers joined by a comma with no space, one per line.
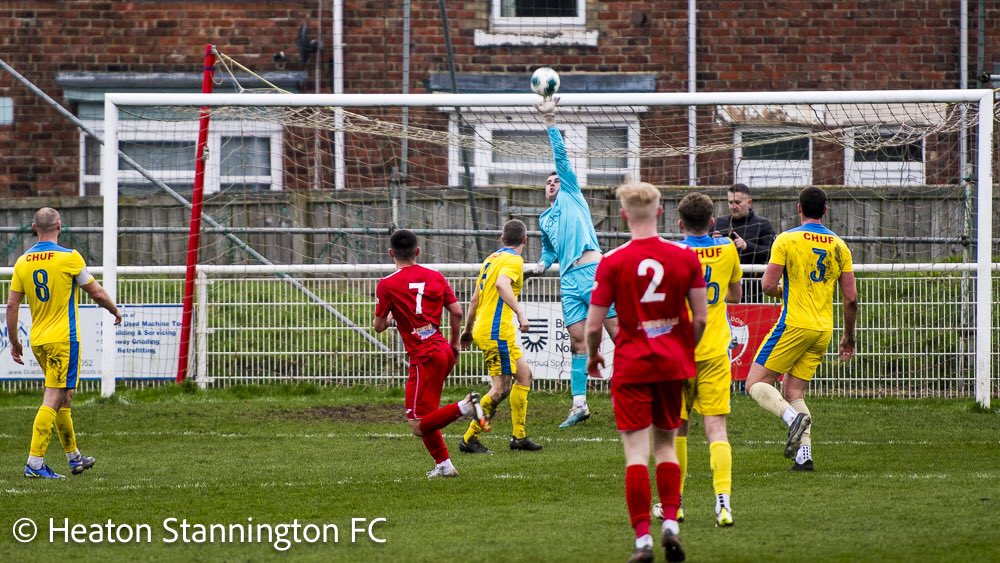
(40,150)
(742,45)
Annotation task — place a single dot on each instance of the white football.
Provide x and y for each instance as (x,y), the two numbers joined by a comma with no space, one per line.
(545,82)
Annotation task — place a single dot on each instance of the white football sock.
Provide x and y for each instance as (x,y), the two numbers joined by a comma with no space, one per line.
(465,407)
(446,464)
(644,541)
(804,454)
(789,415)
(74,455)
(35,462)
(579,400)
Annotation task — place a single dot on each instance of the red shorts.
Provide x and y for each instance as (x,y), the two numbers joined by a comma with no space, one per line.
(426,378)
(638,405)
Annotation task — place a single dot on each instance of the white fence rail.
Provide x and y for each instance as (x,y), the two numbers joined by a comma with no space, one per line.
(916,332)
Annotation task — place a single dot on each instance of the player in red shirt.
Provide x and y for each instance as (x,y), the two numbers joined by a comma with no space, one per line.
(414,296)
(653,283)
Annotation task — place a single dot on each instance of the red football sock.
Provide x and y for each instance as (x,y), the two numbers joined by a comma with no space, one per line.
(434,442)
(440,418)
(638,497)
(668,485)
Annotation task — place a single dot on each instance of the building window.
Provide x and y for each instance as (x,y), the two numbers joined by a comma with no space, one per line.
(883,158)
(516,150)
(538,23)
(538,13)
(242,156)
(6,111)
(770,157)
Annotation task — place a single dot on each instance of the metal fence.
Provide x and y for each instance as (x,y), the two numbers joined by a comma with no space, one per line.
(916,334)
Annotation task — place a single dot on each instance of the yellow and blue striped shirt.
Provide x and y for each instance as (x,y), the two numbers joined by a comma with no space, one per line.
(494,319)
(49,276)
(813,257)
(720,263)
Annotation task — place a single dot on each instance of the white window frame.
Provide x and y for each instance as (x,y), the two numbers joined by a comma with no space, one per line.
(771,173)
(573,127)
(882,174)
(536,32)
(216,131)
(499,21)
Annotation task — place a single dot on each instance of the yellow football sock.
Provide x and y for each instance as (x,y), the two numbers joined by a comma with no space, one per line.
(681,447)
(488,409)
(518,409)
(769,398)
(41,431)
(64,427)
(800,405)
(721,460)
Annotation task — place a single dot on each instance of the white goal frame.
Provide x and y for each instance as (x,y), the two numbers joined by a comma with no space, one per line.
(984,98)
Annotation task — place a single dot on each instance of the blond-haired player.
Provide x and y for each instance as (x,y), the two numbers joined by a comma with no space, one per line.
(659,292)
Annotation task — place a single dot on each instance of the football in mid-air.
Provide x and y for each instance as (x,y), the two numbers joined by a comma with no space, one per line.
(545,82)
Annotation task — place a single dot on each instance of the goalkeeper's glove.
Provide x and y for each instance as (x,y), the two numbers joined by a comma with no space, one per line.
(534,270)
(548,110)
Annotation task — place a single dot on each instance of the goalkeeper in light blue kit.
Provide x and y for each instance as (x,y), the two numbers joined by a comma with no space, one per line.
(568,237)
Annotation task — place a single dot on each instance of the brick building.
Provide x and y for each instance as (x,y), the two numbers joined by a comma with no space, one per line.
(77,50)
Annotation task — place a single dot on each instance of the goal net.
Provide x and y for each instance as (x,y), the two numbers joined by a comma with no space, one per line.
(302,191)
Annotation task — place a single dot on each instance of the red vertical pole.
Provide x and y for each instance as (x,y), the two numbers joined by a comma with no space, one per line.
(194,234)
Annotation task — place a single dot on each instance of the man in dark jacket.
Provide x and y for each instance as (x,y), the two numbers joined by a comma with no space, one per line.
(752,235)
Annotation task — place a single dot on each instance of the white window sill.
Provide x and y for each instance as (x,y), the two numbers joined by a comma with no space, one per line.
(540,38)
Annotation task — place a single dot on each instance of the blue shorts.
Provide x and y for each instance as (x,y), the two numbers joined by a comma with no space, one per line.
(575,286)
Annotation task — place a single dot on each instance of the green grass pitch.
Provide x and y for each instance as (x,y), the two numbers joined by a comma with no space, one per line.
(895,481)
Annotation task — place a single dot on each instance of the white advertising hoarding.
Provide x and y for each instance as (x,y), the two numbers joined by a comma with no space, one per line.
(147,341)
(546,344)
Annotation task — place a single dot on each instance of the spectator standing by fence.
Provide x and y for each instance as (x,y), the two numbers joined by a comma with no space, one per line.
(752,235)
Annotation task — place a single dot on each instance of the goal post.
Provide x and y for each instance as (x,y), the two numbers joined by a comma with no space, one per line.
(912,127)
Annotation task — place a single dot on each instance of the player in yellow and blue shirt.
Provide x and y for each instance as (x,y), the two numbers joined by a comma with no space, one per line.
(49,276)
(807,263)
(569,237)
(490,323)
(708,392)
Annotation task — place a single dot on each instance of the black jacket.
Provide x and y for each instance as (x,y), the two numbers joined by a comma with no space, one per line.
(754,229)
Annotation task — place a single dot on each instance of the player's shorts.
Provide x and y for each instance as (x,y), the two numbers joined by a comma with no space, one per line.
(575,286)
(425,380)
(794,350)
(708,392)
(639,405)
(60,363)
(500,356)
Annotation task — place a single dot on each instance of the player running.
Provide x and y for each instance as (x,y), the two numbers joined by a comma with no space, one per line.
(414,297)
(806,264)
(492,310)
(653,282)
(568,237)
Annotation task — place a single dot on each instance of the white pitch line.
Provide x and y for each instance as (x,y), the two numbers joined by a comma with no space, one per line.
(407,435)
(350,480)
